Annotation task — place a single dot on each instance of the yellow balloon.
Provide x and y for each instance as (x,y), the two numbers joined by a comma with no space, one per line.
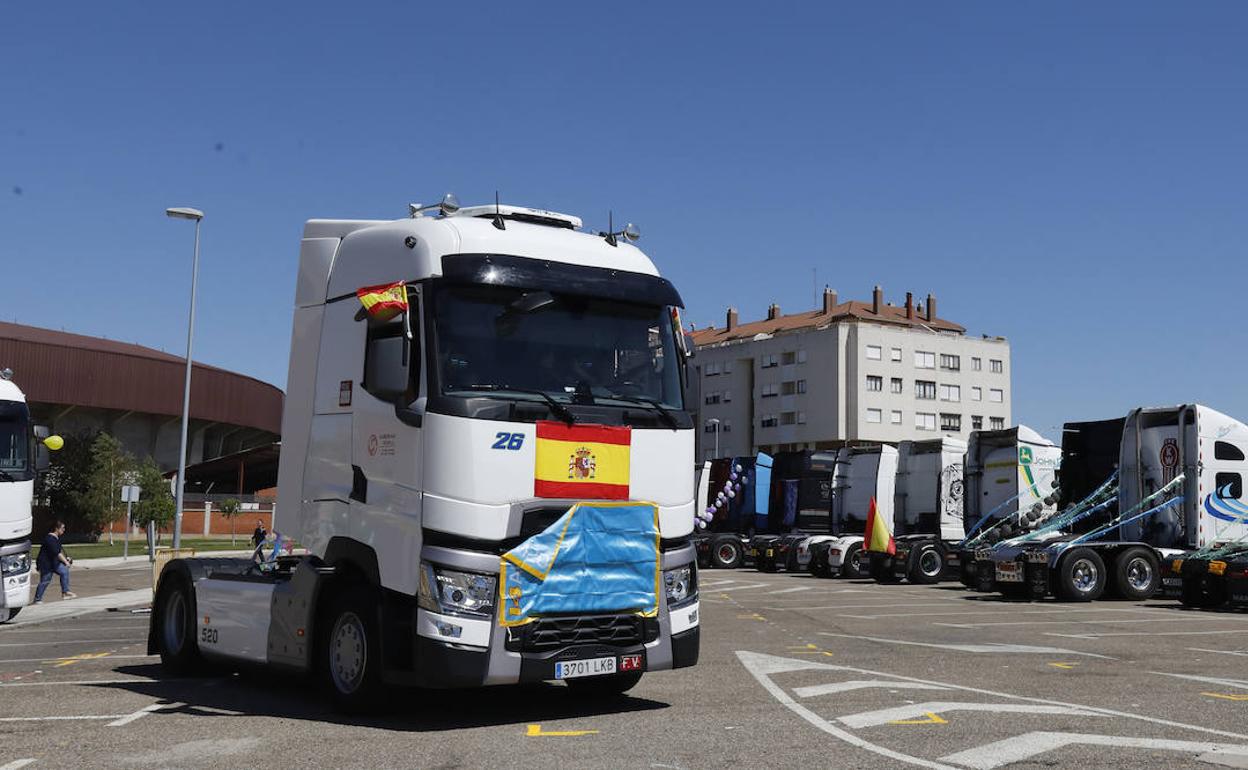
(54,443)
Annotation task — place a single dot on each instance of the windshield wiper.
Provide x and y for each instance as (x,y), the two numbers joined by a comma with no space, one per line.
(556,407)
(667,416)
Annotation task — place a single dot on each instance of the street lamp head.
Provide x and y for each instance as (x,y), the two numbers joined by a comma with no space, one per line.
(713,421)
(184,213)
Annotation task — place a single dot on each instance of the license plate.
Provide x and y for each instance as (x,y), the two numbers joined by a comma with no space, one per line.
(1009,572)
(1172,581)
(571,669)
(770,553)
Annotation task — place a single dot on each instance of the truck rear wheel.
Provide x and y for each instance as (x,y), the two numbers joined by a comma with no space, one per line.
(351,651)
(926,564)
(1081,576)
(1136,574)
(175,625)
(726,553)
(601,687)
(851,563)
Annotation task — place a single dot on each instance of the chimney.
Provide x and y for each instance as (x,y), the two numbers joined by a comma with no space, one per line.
(931,307)
(909,304)
(829,300)
(877,299)
(732,318)
(773,312)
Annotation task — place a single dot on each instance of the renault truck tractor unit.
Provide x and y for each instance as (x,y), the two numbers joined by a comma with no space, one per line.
(865,477)
(485,428)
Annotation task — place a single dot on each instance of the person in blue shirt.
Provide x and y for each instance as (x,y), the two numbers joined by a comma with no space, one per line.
(53,561)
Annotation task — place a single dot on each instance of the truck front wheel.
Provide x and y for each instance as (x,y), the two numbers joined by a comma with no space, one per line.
(1136,574)
(927,564)
(175,603)
(726,553)
(851,563)
(351,651)
(1081,576)
(600,687)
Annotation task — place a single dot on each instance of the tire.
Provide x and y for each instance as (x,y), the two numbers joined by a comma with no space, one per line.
(881,573)
(604,687)
(790,559)
(851,563)
(1081,576)
(985,576)
(350,650)
(927,564)
(819,563)
(176,627)
(1135,575)
(1201,592)
(9,614)
(726,553)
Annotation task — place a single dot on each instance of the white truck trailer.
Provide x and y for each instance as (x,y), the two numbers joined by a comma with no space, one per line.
(1180,483)
(414,462)
(23,453)
(862,474)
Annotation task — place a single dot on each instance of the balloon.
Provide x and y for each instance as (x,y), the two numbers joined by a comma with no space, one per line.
(732,476)
(737,468)
(731,494)
(54,443)
(745,480)
(701,524)
(736,487)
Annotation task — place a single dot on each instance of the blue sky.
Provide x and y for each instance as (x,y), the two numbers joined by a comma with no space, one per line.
(1069,175)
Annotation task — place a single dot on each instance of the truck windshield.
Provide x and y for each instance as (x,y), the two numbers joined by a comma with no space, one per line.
(14,440)
(506,341)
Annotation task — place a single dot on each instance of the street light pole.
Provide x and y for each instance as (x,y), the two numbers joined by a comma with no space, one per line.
(715,421)
(197,216)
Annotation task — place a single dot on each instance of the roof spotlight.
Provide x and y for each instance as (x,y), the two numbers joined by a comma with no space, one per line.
(447,206)
(630,233)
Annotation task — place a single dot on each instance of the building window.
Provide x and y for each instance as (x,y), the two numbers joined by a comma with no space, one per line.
(788,388)
(996,366)
(801,418)
(950,393)
(996,395)
(770,391)
(895,417)
(875,415)
(952,363)
(977,364)
(712,398)
(895,355)
(788,418)
(788,357)
(727,426)
(769,421)
(925,390)
(875,353)
(801,386)
(727,396)
(768,360)
(894,385)
(727,367)
(996,423)
(951,422)
(712,369)
(924,359)
(924,421)
(801,356)
(977,394)
(875,383)
(977,422)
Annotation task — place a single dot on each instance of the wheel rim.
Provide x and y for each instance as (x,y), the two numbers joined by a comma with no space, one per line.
(929,563)
(1139,574)
(348,653)
(855,561)
(727,553)
(1084,575)
(175,622)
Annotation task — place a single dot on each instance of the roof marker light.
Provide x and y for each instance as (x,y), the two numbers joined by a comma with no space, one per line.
(448,205)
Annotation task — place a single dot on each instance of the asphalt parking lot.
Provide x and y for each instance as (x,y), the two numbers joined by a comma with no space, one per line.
(795,672)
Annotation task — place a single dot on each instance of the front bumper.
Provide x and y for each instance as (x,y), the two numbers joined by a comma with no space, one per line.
(16,586)
(456,651)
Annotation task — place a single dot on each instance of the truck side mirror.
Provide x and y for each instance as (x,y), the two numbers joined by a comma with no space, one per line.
(387,368)
(693,387)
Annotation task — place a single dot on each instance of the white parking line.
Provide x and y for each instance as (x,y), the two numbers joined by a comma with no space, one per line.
(136,715)
(815,691)
(59,718)
(58,642)
(53,657)
(1023,747)
(789,590)
(986,612)
(15,764)
(1062,622)
(1143,633)
(744,587)
(974,648)
(912,710)
(1240,683)
(1220,652)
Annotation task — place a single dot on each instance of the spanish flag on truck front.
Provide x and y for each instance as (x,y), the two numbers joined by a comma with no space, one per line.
(384,302)
(582,462)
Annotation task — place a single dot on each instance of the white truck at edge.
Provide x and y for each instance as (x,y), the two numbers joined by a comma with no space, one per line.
(21,457)
(407,468)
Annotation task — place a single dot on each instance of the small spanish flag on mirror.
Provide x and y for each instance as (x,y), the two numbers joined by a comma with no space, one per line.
(384,302)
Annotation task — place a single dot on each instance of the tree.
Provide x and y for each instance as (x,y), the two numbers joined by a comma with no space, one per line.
(230,508)
(67,480)
(111,467)
(155,500)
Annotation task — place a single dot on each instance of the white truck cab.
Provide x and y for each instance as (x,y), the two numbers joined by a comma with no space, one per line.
(410,458)
(863,474)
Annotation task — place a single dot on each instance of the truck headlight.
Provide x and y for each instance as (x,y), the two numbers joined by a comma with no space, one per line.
(15,563)
(453,592)
(681,585)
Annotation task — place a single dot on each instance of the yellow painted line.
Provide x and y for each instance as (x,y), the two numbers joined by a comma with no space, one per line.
(753,616)
(1225,696)
(535,731)
(1063,665)
(810,649)
(71,660)
(932,719)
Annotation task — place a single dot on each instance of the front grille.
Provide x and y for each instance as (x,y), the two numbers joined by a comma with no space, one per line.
(547,634)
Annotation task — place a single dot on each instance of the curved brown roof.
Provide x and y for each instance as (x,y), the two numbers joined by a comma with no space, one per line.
(54,367)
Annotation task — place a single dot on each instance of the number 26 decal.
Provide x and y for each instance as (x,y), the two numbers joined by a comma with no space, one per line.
(509,441)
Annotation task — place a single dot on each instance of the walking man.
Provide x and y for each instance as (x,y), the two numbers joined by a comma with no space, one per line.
(259,535)
(53,561)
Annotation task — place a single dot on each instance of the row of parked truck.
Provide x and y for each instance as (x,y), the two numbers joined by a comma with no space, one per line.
(1123,508)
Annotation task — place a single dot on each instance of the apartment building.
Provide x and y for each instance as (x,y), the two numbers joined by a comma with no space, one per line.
(847,372)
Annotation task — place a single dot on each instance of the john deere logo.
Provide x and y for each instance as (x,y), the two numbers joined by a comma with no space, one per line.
(1024,455)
